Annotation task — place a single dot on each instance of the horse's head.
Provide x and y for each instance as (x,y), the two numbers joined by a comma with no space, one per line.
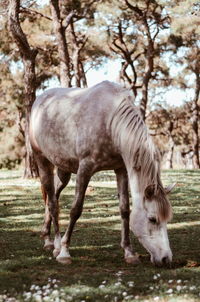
(149,223)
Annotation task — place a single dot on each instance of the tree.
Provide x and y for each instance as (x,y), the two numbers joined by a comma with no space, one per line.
(28,56)
(185,36)
(59,29)
(71,41)
(135,36)
(171,130)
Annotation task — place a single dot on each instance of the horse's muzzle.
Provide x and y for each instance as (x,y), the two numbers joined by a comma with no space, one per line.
(165,261)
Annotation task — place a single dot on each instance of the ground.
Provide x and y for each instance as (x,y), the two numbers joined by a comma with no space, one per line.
(98,271)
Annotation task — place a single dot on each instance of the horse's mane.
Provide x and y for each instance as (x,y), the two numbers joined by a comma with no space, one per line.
(138,151)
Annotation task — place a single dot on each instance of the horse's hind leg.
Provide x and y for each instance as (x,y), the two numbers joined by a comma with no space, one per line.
(61,179)
(122,185)
(46,230)
(46,174)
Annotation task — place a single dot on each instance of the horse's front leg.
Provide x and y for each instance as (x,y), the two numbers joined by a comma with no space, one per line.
(82,179)
(122,185)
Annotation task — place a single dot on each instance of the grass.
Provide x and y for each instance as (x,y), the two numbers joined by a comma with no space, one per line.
(98,271)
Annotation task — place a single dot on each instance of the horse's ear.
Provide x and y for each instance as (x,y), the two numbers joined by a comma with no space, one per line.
(149,192)
(169,188)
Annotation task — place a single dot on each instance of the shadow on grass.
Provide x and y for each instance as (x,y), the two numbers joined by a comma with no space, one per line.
(96,257)
(95,247)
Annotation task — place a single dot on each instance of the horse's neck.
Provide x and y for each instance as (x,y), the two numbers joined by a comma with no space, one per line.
(136,193)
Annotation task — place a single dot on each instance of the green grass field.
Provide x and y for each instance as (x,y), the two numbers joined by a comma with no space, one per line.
(98,271)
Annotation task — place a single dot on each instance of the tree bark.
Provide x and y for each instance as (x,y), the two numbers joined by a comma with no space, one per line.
(195,123)
(150,53)
(78,44)
(148,73)
(28,55)
(170,154)
(59,29)
(171,142)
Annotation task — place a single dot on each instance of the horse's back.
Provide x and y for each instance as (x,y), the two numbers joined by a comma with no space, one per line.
(73,122)
(104,92)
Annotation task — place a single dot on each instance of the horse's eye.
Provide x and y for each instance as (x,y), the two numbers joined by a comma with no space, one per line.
(153,220)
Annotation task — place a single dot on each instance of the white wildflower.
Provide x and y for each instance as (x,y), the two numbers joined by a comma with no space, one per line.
(37,287)
(130,283)
(129,297)
(118,284)
(55,293)
(38,298)
(178,288)
(101,286)
(119,273)
(46,292)
(27,295)
(169,291)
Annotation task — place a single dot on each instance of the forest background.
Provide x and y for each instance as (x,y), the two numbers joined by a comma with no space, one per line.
(156,48)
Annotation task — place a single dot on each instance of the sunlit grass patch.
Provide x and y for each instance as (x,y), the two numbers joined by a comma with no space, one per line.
(98,271)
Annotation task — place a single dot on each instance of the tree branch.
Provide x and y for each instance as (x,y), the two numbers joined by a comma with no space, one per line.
(34,12)
(136,9)
(17,32)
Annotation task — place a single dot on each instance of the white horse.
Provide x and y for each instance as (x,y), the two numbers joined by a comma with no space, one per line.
(83,131)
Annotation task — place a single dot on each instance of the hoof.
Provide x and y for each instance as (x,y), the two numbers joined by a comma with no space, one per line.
(64,260)
(49,246)
(132,260)
(56,252)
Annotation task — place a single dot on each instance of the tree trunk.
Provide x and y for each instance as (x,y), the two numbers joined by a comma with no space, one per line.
(195,122)
(78,44)
(148,72)
(31,169)
(59,29)
(83,76)
(170,154)
(76,65)
(28,57)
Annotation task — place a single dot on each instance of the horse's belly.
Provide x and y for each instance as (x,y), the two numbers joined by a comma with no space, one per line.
(109,163)
(63,161)
(99,163)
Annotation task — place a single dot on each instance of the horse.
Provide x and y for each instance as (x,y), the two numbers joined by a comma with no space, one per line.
(86,130)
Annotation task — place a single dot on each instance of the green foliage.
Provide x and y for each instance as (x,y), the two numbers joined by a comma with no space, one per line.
(111,30)
(172,121)
(12,147)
